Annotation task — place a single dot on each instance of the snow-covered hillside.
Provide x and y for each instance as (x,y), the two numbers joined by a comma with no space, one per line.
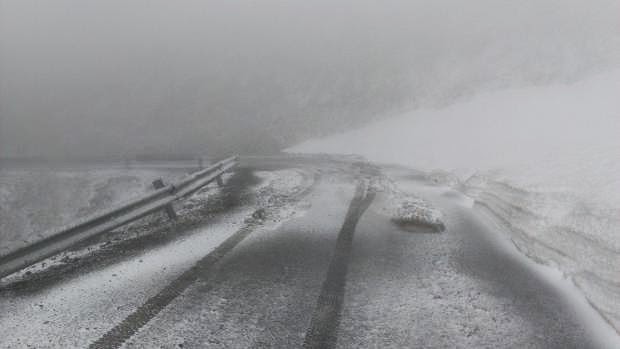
(543,159)
(33,202)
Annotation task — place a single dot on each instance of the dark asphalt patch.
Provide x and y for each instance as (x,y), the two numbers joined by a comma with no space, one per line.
(419,226)
(326,318)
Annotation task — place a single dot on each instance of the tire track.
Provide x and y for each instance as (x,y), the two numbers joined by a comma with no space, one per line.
(205,268)
(322,332)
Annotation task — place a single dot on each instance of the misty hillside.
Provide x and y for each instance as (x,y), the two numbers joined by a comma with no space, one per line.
(121,78)
(541,159)
(393,174)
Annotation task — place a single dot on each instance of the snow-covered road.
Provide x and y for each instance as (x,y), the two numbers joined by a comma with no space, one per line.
(462,288)
(542,159)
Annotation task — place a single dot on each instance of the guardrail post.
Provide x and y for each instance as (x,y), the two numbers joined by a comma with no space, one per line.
(158,184)
(220,182)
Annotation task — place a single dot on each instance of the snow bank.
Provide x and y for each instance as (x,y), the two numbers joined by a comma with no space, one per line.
(405,209)
(277,195)
(545,160)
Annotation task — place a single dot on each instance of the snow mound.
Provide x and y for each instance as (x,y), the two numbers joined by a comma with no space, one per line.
(406,210)
(277,197)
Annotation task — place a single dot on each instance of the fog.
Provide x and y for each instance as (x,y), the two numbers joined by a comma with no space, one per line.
(121,78)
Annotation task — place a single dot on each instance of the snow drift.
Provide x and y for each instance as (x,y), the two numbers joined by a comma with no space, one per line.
(545,160)
(406,210)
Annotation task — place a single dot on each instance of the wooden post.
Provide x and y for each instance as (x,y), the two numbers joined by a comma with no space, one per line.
(158,184)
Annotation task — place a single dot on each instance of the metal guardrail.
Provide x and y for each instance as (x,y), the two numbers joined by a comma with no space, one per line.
(108,220)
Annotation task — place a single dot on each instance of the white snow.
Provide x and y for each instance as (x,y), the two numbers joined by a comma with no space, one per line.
(278,187)
(35,202)
(92,302)
(406,209)
(545,160)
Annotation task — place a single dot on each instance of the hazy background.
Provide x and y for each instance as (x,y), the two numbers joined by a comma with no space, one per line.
(120,78)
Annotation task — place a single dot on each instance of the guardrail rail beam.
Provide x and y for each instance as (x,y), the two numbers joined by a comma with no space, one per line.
(108,220)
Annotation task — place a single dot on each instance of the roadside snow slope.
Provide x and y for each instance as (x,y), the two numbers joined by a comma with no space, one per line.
(33,202)
(544,159)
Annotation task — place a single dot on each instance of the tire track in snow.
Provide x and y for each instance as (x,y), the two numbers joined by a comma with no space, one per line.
(326,318)
(205,268)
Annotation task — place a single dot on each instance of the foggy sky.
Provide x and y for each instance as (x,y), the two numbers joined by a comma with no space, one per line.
(114,78)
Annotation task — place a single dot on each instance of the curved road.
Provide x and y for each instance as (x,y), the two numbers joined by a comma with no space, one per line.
(337,274)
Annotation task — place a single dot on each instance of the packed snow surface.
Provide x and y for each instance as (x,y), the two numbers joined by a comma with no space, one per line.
(545,160)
